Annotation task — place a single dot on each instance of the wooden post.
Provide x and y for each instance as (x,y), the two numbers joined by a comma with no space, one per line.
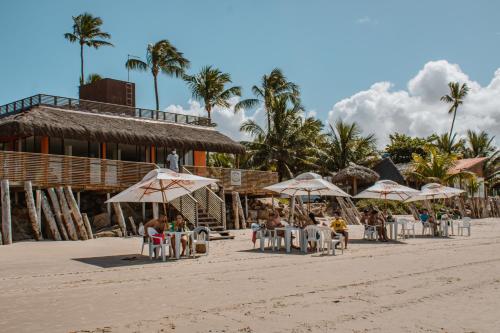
(57,212)
(155,210)
(68,220)
(240,212)
(49,217)
(292,208)
(38,202)
(354,186)
(88,228)
(75,212)
(235,210)
(246,206)
(108,205)
(30,203)
(6,216)
(78,199)
(143,212)
(120,218)
(132,225)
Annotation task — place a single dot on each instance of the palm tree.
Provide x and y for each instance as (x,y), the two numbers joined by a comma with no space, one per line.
(449,146)
(87,32)
(94,77)
(345,144)
(479,144)
(436,166)
(273,87)
(455,98)
(209,85)
(160,57)
(288,147)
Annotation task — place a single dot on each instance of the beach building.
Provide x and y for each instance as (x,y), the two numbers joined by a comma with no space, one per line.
(102,142)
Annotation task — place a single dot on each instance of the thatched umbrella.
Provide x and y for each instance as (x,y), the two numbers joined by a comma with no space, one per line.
(356,174)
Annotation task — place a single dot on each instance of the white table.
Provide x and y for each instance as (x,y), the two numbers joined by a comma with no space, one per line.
(393,229)
(178,235)
(288,238)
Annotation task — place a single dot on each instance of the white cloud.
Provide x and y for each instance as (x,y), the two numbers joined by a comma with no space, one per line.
(418,110)
(366,20)
(228,122)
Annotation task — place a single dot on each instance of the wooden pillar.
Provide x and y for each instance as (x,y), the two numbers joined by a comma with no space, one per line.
(103,150)
(75,212)
(119,217)
(30,203)
(68,220)
(88,228)
(241,212)
(155,210)
(132,225)
(57,213)
(108,205)
(246,206)
(144,212)
(6,216)
(38,203)
(49,218)
(153,154)
(354,186)
(292,208)
(236,215)
(78,199)
(44,145)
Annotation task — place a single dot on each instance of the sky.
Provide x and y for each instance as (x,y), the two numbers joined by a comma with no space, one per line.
(381,63)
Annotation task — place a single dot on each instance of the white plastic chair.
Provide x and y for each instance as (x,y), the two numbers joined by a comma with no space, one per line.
(464,224)
(370,232)
(263,235)
(426,226)
(329,243)
(152,247)
(313,234)
(143,235)
(200,235)
(407,226)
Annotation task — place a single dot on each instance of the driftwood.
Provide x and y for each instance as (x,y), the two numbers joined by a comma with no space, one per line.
(241,212)
(236,214)
(49,218)
(75,212)
(30,203)
(68,220)
(6,234)
(88,228)
(38,204)
(57,213)
(132,225)
(120,218)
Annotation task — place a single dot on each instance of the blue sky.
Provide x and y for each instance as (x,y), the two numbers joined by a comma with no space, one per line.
(332,49)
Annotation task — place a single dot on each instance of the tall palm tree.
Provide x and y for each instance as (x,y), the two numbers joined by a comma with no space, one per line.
(479,144)
(273,86)
(449,145)
(345,144)
(87,32)
(455,98)
(160,57)
(209,86)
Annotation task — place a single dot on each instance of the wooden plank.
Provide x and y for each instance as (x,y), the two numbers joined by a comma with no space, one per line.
(236,214)
(57,213)
(75,212)
(120,218)
(38,205)
(241,213)
(49,218)
(88,228)
(66,213)
(30,203)
(132,225)
(6,214)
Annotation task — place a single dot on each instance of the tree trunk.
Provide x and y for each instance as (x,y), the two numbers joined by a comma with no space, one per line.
(30,203)
(88,228)
(453,122)
(75,211)
(68,220)
(6,216)
(208,107)
(156,92)
(119,217)
(49,218)
(82,78)
(57,213)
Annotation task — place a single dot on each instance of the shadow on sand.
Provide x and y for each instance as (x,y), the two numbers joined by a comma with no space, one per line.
(119,260)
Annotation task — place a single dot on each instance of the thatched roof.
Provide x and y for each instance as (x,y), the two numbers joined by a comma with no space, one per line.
(388,170)
(361,173)
(54,122)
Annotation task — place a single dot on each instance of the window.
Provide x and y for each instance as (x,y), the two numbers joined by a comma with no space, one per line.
(188,158)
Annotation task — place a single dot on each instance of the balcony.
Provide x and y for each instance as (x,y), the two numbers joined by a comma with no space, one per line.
(99,107)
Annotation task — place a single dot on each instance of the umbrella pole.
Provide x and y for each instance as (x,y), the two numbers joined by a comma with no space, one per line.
(308,201)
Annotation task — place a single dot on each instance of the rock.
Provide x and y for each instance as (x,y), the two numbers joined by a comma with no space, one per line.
(101,221)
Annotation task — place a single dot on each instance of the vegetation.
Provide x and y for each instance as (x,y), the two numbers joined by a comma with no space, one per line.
(402,147)
(87,32)
(455,98)
(209,85)
(91,78)
(449,145)
(161,57)
(479,144)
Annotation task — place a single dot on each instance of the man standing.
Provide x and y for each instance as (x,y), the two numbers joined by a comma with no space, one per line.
(173,161)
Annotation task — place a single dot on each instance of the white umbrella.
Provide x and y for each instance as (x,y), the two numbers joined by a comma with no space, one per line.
(162,185)
(306,184)
(387,190)
(435,191)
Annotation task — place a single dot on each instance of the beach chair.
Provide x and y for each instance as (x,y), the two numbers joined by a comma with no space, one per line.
(329,243)
(407,226)
(152,247)
(370,232)
(313,234)
(264,235)
(200,236)
(426,226)
(141,233)
(464,224)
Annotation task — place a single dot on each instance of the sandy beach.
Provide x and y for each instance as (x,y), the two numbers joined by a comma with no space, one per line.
(416,285)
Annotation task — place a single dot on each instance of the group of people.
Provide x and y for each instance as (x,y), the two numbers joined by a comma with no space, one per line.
(161,225)
(373,218)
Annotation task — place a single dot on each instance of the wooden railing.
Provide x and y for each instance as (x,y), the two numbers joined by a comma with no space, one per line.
(251,181)
(46,170)
(187,205)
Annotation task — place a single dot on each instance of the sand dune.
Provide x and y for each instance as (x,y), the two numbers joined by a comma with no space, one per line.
(417,285)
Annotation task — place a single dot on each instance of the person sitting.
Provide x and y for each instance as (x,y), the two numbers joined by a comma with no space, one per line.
(180,226)
(425,217)
(379,222)
(365,218)
(274,222)
(160,225)
(339,226)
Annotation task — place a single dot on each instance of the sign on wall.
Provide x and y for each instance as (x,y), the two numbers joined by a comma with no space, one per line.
(235,178)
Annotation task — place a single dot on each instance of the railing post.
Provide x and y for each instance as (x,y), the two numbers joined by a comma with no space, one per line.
(176,118)
(39,99)
(55,100)
(22,104)
(31,101)
(196,214)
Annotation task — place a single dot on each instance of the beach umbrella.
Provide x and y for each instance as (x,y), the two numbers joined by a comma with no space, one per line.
(435,191)
(162,186)
(306,184)
(387,190)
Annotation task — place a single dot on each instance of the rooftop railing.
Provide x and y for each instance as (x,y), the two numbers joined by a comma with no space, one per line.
(99,107)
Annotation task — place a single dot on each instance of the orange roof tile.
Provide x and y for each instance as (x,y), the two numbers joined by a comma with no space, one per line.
(466,164)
